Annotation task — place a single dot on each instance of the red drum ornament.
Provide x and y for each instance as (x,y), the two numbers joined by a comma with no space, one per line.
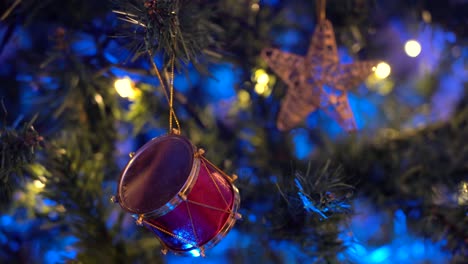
(171,189)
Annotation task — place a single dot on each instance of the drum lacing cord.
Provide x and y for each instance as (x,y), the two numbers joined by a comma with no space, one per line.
(213,180)
(183,240)
(210,207)
(204,161)
(142,221)
(191,222)
(169,96)
(236,215)
(203,205)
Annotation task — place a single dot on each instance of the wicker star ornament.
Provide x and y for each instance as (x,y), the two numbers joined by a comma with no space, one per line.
(317,80)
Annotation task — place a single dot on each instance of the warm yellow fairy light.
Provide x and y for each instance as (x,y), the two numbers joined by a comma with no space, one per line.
(463,193)
(38,184)
(260,88)
(244,98)
(255,7)
(381,86)
(261,77)
(262,80)
(426,16)
(124,88)
(385,88)
(98,99)
(382,70)
(412,48)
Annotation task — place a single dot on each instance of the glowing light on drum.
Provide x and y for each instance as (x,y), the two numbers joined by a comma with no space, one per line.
(194,253)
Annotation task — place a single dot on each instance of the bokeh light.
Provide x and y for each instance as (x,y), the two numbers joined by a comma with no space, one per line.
(263,80)
(382,70)
(38,184)
(260,89)
(426,16)
(380,86)
(463,193)
(412,48)
(125,88)
(255,7)
(244,98)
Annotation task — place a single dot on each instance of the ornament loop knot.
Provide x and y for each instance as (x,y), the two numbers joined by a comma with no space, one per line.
(321,6)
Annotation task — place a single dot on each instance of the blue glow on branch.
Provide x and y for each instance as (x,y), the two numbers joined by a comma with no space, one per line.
(400,247)
(222,85)
(307,202)
(302,144)
(379,255)
(85,45)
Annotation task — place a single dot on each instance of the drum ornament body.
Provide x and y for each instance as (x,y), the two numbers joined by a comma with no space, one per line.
(171,189)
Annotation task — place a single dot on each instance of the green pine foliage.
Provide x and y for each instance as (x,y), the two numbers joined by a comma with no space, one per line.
(17,151)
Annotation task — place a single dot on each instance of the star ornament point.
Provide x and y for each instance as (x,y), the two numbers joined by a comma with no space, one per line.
(317,80)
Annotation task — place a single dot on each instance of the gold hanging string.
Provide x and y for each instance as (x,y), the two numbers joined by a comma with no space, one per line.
(170,96)
(320,7)
(171,99)
(158,74)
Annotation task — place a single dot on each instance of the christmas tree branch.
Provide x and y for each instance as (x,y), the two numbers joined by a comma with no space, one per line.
(424,166)
(17,150)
